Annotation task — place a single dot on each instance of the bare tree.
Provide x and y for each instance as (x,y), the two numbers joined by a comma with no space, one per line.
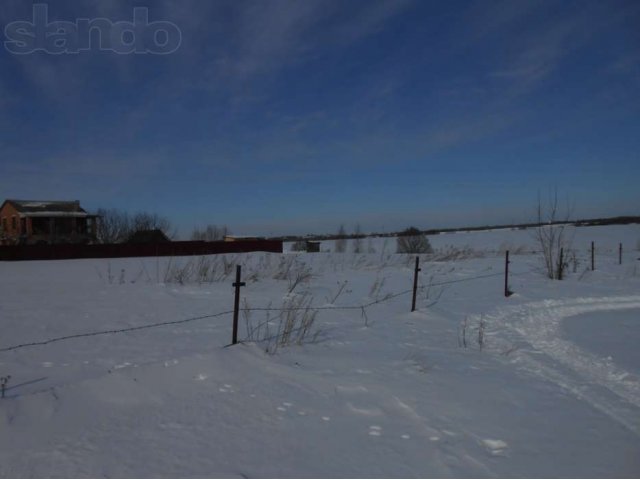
(211,233)
(341,241)
(412,240)
(551,235)
(152,221)
(357,240)
(114,226)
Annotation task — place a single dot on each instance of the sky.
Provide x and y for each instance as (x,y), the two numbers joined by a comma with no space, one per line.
(295,116)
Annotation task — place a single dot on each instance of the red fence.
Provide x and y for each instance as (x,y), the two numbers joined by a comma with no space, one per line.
(167,249)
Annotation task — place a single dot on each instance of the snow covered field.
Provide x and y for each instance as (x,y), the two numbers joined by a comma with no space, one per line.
(554,392)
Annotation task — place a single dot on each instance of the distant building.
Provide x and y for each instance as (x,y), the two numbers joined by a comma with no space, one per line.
(235,238)
(312,246)
(148,236)
(34,222)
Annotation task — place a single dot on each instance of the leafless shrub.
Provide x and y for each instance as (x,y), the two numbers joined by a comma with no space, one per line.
(227,267)
(359,261)
(376,287)
(412,240)
(109,277)
(257,332)
(513,249)
(551,235)
(572,261)
(181,274)
(450,253)
(342,286)
(482,324)
(358,246)
(143,271)
(283,271)
(462,333)
(432,294)
(205,269)
(295,320)
(509,351)
(299,275)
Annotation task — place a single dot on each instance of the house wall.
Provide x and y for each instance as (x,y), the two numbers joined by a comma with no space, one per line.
(7,214)
(60,229)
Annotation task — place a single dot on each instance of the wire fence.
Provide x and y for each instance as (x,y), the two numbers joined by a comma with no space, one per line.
(113,331)
(362,307)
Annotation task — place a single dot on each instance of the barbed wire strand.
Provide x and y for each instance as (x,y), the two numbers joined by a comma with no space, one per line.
(109,332)
(361,307)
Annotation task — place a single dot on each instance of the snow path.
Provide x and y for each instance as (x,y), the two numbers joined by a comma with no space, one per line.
(532,332)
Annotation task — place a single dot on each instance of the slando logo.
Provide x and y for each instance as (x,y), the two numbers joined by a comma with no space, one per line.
(121,37)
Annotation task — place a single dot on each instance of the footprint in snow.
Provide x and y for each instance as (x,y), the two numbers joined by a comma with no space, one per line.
(495,447)
(285,406)
(363,372)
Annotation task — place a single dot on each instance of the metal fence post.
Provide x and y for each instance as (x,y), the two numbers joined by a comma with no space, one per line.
(236,304)
(561,265)
(620,254)
(507,292)
(415,284)
(3,383)
(593,256)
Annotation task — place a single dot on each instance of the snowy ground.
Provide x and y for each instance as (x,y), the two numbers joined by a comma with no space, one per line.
(555,391)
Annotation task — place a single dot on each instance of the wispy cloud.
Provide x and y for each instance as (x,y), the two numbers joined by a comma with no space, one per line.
(265,37)
(539,49)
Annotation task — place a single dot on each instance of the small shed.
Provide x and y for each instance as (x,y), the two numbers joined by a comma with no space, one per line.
(148,236)
(313,246)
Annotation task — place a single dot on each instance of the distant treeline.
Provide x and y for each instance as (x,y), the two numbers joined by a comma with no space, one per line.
(625,220)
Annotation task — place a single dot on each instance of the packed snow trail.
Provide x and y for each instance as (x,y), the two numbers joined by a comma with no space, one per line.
(532,331)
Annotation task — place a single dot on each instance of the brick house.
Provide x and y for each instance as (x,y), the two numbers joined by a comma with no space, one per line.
(35,222)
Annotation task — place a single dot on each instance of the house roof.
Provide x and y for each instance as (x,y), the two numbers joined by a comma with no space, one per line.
(148,236)
(46,208)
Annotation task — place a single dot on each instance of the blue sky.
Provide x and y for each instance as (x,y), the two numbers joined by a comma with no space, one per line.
(295,116)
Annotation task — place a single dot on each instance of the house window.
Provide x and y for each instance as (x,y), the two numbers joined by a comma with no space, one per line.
(4,224)
(13,224)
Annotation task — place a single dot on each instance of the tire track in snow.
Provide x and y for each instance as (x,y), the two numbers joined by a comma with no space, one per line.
(597,380)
